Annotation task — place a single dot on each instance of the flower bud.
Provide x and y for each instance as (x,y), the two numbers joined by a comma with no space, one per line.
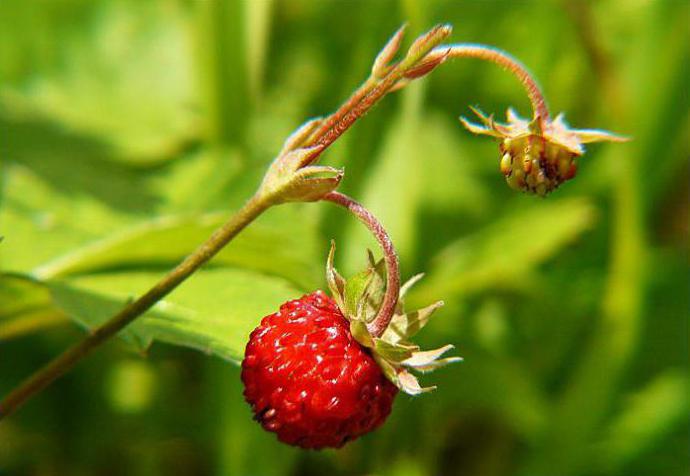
(537,156)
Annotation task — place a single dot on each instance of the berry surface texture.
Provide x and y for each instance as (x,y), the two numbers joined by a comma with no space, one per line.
(309,381)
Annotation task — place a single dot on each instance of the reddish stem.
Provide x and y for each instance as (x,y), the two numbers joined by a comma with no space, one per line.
(355,107)
(379,324)
(501,58)
(373,89)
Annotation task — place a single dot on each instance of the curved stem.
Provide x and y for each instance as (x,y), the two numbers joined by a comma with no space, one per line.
(423,54)
(378,325)
(334,126)
(65,361)
(501,58)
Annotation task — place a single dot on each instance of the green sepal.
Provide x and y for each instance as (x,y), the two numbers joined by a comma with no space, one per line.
(291,178)
(586,136)
(311,183)
(408,284)
(362,294)
(336,283)
(372,296)
(437,364)
(355,293)
(425,361)
(359,299)
(535,126)
(390,371)
(401,377)
(407,325)
(409,384)
(382,66)
(297,138)
(394,353)
(359,331)
(288,181)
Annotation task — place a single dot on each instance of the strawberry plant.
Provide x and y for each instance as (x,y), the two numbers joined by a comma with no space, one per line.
(293,178)
(160,221)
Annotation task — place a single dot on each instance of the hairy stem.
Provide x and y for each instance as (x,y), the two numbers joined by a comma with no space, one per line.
(501,58)
(65,361)
(372,90)
(422,57)
(378,325)
(334,126)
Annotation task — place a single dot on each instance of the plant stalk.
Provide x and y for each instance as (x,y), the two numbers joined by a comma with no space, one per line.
(424,55)
(335,125)
(383,317)
(503,59)
(65,361)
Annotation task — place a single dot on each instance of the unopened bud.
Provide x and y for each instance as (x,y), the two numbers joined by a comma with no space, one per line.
(428,64)
(427,42)
(382,65)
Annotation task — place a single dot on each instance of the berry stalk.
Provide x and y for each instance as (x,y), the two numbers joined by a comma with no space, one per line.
(503,59)
(333,127)
(383,317)
(293,178)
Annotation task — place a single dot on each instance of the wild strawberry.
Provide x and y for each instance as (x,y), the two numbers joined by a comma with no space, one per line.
(309,381)
(314,373)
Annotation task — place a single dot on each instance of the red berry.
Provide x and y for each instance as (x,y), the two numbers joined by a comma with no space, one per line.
(309,381)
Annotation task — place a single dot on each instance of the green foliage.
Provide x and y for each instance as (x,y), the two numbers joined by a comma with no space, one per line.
(134,96)
(504,254)
(214,313)
(130,130)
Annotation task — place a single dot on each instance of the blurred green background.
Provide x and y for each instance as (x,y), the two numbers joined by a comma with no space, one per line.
(129,129)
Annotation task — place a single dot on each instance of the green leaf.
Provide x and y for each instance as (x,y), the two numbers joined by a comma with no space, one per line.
(39,222)
(214,311)
(75,233)
(128,82)
(508,249)
(25,306)
(19,294)
(647,416)
(283,242)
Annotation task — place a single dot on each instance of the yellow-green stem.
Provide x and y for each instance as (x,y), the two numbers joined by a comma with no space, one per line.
(332,127)
(65,361)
